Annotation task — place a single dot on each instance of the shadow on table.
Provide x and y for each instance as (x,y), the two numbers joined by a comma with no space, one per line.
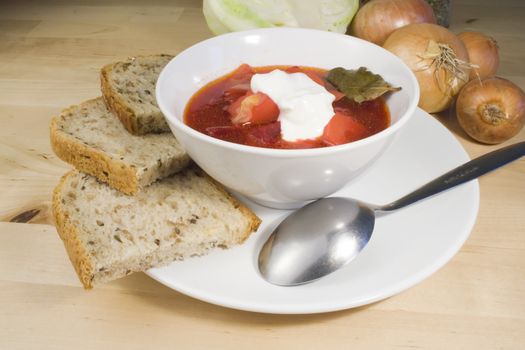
(448,119)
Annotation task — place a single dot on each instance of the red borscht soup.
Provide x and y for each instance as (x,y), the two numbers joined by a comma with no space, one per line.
(229,110)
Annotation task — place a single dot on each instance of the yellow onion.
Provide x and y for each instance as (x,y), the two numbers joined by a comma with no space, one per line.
(491,110)
(377,19)
(482,52)
(438,59)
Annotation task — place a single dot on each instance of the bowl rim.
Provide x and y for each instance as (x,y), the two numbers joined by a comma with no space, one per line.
(275,152)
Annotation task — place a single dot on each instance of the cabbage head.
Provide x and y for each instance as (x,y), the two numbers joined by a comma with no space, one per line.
(224,16)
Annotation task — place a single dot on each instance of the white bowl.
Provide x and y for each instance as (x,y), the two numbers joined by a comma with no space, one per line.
(275,177)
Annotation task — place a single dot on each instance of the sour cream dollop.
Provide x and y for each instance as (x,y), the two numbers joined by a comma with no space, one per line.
(305,106)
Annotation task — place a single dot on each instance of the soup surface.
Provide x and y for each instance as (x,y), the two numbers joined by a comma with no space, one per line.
(228,109)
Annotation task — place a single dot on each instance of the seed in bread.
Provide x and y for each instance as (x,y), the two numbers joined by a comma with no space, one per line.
(109,235)
(128,89)
(92,139)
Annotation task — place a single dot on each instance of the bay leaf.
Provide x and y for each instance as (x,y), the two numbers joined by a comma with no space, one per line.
(359,85)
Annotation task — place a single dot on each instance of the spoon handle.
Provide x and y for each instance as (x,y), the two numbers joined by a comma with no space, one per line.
(463,173)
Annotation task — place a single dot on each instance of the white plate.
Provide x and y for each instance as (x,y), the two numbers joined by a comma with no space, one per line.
(407,246)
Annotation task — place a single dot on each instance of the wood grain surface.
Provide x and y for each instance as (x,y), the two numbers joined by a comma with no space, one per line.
(50,56)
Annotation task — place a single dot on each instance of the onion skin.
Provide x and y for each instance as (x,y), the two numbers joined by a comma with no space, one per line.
(377,19)
(483,52)
(410,43)
(491,110)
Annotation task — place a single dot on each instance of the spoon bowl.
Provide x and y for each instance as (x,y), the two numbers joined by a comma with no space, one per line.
(327,234)
(322,246)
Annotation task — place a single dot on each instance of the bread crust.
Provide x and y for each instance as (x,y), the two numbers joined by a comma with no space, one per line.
(117,174)
(118,105)
(70,236)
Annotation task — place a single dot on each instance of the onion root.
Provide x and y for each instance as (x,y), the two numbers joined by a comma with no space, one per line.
(492,113)
(442,57)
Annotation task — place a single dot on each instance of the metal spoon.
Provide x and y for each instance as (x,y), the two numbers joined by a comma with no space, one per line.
(324,235)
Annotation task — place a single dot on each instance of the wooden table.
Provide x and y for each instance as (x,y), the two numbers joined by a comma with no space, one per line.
(50,55)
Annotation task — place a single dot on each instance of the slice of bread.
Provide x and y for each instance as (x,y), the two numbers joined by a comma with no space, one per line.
(128,89)
(109,235)
(92,139)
